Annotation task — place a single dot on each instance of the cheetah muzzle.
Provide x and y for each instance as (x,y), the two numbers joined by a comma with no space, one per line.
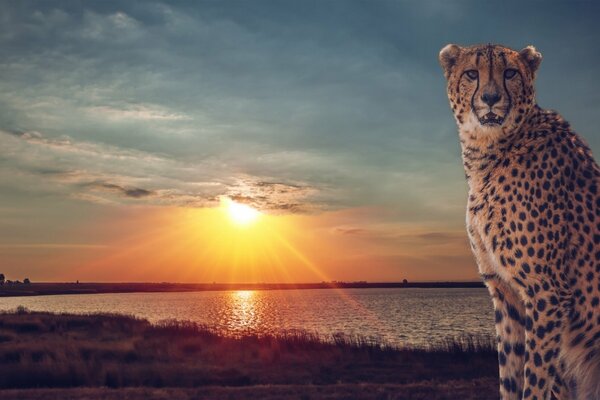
(491,119)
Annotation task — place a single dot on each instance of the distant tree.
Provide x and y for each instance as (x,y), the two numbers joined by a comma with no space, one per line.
(17,282)
(404,281)
(2,279)
(26,281)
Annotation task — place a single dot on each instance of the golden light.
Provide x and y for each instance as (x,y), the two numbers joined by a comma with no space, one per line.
(232,242)
(240,214)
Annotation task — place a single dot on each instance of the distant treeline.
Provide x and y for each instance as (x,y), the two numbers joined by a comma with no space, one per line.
(4,281)
(39,289)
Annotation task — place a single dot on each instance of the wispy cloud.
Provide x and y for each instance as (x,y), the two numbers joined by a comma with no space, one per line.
(132,192)
(105,174)
(350,230)
(276,196)
(137,112)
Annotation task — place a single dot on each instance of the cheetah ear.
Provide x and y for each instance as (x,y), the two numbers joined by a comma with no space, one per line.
(448,57)
(531,57)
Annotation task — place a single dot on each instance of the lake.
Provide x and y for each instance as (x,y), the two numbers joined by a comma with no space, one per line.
(399,316)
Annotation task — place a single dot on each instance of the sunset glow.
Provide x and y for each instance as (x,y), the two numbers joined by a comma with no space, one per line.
(206,245)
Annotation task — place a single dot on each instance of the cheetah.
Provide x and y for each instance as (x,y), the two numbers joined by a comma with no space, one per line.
(533,221)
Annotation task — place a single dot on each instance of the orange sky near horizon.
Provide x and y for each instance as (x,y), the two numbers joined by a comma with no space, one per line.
(155,244)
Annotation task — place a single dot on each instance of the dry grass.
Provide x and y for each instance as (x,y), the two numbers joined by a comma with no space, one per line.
(478,389)
(44,350)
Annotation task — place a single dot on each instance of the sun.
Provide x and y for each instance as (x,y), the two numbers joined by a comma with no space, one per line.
(240,214)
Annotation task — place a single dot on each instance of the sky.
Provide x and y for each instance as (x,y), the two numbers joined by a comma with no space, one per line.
(124,125)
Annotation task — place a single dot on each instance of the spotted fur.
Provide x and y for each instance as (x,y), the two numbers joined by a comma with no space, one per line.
(533,220)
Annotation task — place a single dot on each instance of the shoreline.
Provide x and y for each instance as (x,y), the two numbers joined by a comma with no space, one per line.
(58,288)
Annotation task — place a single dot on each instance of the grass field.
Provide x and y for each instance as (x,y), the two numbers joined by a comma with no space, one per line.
(478,389)
(111,356)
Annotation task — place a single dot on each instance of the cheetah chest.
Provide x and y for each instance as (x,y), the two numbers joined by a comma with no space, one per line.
(483,222)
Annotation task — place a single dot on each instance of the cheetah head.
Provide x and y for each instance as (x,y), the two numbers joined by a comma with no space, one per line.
(490,87)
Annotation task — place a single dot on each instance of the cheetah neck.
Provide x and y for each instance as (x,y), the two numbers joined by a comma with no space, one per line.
(482,153)
(487,149)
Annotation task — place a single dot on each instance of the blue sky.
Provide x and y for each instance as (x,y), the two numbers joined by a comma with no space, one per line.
(304,107)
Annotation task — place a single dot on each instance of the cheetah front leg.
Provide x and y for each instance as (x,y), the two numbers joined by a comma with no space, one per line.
(560,389)
(542,344)
(509,314)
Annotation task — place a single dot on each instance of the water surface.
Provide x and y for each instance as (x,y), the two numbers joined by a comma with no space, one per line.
(399,316)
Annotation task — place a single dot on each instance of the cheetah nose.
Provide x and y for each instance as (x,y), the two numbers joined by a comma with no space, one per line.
(491,98)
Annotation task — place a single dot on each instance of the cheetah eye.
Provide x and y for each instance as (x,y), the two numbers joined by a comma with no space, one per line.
(510,73)
(472,74)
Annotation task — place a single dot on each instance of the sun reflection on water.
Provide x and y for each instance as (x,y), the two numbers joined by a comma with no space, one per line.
(243,309)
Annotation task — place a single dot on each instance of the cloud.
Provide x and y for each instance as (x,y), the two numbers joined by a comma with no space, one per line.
(65,143)
(137,112)
(114,26)
(133,192)
(442,237)
(350,231)
(105,174)
(402,236)
(274,196)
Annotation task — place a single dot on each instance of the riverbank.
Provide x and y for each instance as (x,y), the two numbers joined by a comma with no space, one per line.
(57,288)
(76,353)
